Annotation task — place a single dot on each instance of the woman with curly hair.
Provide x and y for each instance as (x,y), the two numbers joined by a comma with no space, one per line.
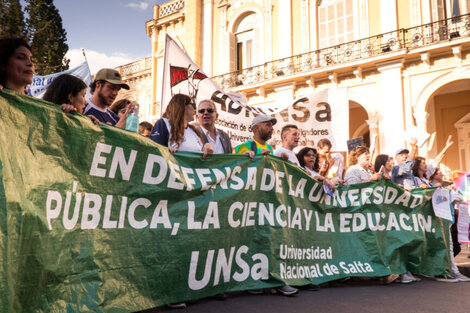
(358,170)
(308,160)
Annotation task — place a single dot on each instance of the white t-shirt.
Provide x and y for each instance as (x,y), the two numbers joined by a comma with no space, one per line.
(191,141)
(312,173)
(290,153)
(217,144)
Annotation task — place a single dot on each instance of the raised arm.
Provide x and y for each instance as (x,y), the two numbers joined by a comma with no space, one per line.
(414,148)
(441,154)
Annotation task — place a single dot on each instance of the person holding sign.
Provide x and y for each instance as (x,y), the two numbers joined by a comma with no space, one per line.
(335,161)
(69,92)
(104,89)
(419,173)
(422,171)
(384,164)
(206,116)
(262,128)
(174,131)
(16,64)
(402,173)
(290,136)
(358,170)
(17,67)
(310,162)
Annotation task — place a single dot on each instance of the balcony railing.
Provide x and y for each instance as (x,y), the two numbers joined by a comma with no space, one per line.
(401,39)
(135,67)
(171,7)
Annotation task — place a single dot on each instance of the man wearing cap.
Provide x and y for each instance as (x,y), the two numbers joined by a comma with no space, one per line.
(105,88)
(402,173)
(262,128)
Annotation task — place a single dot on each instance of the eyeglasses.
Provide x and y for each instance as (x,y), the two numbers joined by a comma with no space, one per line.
(202,111)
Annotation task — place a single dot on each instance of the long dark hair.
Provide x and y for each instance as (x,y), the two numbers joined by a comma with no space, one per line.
(7,48)
(300,156)
(380,161)
(175,114)
(322,157)
(417,165)
(61,87)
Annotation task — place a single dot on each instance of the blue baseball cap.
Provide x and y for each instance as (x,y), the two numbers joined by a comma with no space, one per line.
(400,151)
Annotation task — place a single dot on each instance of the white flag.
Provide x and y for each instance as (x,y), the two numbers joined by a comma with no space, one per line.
(40,83)
(182,75)
(318,115)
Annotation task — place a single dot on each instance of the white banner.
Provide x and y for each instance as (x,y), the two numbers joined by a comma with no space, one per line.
(322,114)
(462,225)
(40,83)
(441,204)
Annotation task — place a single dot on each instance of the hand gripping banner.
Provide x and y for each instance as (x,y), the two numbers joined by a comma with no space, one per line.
(96,219)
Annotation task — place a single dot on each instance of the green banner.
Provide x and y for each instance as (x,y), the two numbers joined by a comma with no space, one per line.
(98,219)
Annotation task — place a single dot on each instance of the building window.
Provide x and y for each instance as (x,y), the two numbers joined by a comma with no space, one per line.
(246,33)
(335,22)
(444,9)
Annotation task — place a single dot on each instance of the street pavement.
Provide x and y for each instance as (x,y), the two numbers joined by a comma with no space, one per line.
(351,297)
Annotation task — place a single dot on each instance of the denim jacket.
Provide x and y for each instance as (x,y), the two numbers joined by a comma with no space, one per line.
(402,174)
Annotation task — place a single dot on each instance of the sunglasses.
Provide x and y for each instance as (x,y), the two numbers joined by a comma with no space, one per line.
(202,111)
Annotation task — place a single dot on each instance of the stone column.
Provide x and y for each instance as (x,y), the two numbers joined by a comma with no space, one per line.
(268,41)
(390,105)
(305,26)
(207,37)
(373,123)
(285,28)
(224,33)
(193,30)
(388,15)
(154,73)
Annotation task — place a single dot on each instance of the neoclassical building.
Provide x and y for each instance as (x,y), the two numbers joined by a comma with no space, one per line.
(405,63)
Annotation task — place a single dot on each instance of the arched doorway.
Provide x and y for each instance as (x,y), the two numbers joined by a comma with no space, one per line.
(447,107)
(358,126)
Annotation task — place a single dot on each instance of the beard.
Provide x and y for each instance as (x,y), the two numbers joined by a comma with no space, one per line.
(103,99)
(265,135)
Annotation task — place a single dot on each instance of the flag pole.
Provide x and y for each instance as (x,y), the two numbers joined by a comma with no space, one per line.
(84,55)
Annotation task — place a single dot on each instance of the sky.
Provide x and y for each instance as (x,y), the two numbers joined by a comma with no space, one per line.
(112,32)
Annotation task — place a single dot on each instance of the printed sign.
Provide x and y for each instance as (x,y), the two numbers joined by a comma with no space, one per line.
(96,218)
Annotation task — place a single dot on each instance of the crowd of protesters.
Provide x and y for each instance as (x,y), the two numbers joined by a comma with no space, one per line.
(175,131)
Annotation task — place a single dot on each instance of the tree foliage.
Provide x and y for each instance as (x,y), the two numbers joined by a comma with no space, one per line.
(48,37)
(11,19)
